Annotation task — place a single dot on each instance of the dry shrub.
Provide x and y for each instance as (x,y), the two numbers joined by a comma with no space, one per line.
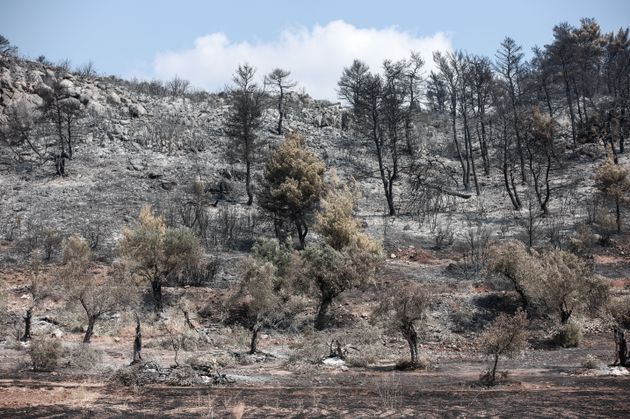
(568,336)
(84,357)
(45,353)
(505,336)
(422,363)
(591,362)
(619,310)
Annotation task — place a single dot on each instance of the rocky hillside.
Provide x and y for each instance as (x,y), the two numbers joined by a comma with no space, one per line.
(134,148)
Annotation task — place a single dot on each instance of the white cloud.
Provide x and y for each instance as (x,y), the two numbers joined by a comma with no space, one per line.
(315,57)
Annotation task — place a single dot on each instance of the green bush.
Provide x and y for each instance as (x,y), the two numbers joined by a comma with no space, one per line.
(569,336)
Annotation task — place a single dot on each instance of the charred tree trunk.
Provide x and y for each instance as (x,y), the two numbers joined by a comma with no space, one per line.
(618,214)
(156,287)
(248,180)
(493,373)
(322,312)
(137,343)
(567,90)
(90,329)
(253,345)
(27,325)
(411,337)
(621,348)
(302,231)
(280,109)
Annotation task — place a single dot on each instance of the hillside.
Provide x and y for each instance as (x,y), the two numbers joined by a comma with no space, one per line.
(445,252)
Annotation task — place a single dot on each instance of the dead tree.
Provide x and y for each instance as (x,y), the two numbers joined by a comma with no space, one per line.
(621,348)
(244,120)
(278,79)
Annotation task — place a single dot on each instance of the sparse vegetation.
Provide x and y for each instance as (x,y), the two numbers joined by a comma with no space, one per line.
(502,232)
(157,253)
(505,336)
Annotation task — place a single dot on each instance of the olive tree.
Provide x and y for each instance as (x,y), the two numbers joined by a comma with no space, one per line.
(258,300)
(157,253)
(404,306)
(613,181)
(347,257)
(505,336)
(97,296)
(513,261)
(569,286)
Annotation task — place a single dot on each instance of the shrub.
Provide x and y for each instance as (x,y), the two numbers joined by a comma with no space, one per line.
(423,362)
(45,354)
(84,357)
(619,310)
(156,253)
(591,363)
(506,336)
(568,336)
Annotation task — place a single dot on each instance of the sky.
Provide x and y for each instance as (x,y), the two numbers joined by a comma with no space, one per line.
(204,41)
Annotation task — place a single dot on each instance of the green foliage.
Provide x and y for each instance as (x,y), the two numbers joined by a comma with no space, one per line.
(569,286)
(568,336)
(613,181)
(557,282)
(505,336)
(97,296)
(293,183)
(157,253)
(260,300)
(347,258)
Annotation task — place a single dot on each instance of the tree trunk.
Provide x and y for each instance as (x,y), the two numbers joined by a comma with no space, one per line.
(322,312)
(156,286)
(280,99)
(27,325)
(567,90)
(389,195)
(621,347)
(412,340)
(618,214)
(248,179)
(302,231)
(90,329)
(493,374)
(137,343)
(253,344)
(565,314)
(465,178)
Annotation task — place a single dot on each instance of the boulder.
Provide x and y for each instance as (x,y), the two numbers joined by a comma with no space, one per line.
(136,110)
(113,98)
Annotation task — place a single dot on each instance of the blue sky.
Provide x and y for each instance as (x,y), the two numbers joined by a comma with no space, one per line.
(161,38)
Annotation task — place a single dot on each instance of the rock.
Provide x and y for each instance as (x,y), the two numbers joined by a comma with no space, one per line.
(136,110)
(113,98)
(154,175)
(168,185)
(95,108)
(116,339)
(392,256)
(136,164)
(335,362)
